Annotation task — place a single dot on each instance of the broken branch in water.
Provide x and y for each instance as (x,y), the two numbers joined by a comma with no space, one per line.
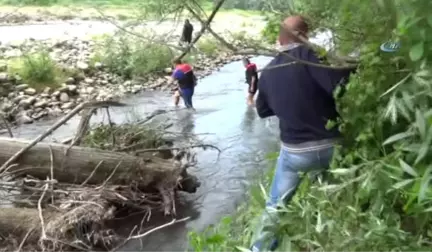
(140,236)
(204,146)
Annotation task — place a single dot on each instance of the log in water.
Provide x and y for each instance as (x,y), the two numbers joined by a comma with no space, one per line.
(93,166)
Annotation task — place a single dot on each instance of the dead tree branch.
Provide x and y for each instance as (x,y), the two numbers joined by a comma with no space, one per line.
(210,30)
(56,126)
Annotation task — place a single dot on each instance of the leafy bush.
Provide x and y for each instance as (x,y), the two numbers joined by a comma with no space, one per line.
(380,198)
(209,47)
(37,70)
(131,57)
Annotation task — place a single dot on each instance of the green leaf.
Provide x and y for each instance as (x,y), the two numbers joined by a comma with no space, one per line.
(408,169)
(397,137)
(424,149)
(424,186)
(429,20)
(417,51)
(241,249)
(420,124)
(402,183)
(215,239)
(424,73)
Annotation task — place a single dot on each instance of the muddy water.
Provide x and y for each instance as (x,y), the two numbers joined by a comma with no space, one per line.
(222,118)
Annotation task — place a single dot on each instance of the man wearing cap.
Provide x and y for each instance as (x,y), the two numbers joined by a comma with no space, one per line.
(301,96)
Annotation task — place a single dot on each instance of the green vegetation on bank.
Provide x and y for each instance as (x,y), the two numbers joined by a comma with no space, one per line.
(37,70)
(131,57)
(380,195)
(113,5)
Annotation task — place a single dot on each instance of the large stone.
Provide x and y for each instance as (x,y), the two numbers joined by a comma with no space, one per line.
(21,87)
(70,80)
(4,77)
(30,91)
(98,65)
(68,105)
(41,104)
(89,81)
(72,89)
(55,93)
(82,66)
(64,97)
(24,118)
(30,100)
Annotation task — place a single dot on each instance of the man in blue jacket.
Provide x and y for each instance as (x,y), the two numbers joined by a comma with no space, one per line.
(301,96)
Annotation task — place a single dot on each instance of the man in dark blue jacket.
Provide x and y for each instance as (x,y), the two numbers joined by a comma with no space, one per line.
(301,96)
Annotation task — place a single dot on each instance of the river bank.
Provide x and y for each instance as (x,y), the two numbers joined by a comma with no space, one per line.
(82,77)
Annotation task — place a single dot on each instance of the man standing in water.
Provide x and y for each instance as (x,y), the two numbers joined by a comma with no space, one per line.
(186,82)
(301,96)
(251,79)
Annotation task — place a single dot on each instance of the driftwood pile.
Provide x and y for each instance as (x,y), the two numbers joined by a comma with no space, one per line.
(61,194)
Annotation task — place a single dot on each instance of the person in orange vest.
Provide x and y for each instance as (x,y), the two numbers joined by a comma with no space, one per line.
(251,80)
(186,80)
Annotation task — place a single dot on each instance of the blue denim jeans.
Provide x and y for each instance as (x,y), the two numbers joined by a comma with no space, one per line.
(186,94)
(285,182)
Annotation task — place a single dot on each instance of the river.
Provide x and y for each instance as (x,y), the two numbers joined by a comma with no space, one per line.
(222,118)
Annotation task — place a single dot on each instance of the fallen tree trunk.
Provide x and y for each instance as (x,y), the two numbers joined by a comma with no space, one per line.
(93,166)
(19,221)
(33,227)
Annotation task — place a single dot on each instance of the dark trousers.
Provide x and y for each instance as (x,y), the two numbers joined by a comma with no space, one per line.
(186,94)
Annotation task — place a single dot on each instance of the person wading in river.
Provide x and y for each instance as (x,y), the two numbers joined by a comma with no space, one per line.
(301,96)
(186,81)
(251,79)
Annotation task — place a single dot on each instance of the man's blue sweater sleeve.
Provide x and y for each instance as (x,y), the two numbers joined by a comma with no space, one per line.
(327,78)
(262,105)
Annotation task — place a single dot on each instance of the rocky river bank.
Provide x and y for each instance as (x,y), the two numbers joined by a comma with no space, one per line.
(88,80)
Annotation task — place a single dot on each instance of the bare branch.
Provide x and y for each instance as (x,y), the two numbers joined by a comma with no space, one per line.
(203,29)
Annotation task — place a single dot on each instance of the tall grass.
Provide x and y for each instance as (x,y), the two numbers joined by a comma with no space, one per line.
(36,69)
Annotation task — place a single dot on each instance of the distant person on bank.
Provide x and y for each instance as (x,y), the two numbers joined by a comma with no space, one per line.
(301,97)
(187,32)
(186,82)
(251,79)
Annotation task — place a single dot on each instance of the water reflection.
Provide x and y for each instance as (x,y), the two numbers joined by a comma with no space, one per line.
(187,121)
(247,124)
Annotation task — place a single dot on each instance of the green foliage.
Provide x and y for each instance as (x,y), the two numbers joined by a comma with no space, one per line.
(38,69)
(131,57)
(271,30)
(380,197)
(209,47)
(30,2)
(129,137)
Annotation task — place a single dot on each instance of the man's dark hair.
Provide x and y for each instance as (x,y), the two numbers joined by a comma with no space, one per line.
(177,61)
(246,60)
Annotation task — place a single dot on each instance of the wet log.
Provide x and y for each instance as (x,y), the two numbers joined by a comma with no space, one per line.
(94,166)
